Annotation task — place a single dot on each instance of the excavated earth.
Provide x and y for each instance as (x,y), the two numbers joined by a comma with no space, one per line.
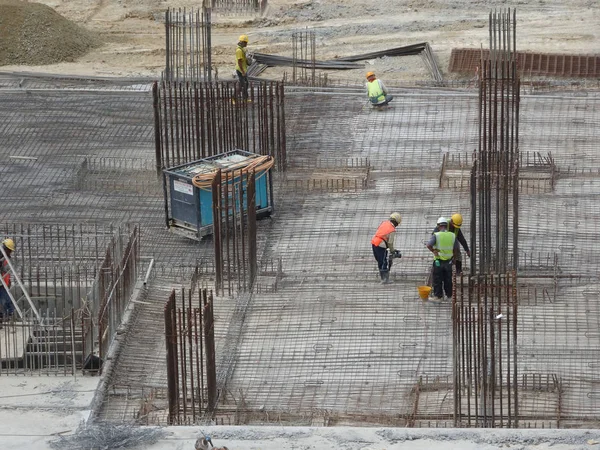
(132,33)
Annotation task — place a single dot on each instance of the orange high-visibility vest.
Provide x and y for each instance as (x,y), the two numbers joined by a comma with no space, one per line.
(4,271)
(383,233)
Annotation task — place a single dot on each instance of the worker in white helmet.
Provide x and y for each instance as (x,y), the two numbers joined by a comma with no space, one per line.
(241,66)
(6,306)
(454,227)
(376,91)
(383,246)
(443,244)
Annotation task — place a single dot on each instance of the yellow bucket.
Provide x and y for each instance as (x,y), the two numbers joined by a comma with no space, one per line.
(424,291)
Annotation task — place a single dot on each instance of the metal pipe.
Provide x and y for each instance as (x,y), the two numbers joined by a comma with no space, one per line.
(150,266)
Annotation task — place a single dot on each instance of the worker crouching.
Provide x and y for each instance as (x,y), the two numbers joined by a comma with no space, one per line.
(383,245)
(376,91)
(444,245)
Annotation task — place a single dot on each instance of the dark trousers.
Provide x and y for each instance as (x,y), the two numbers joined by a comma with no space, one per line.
(380,254)
(388,98)
(243,79)
(6,307)
(442,278)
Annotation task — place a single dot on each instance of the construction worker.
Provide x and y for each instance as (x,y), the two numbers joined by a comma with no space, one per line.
(443,244)
(6,306)
(203,442)
(241,66)
(376,91)
(383,245)
(454,227)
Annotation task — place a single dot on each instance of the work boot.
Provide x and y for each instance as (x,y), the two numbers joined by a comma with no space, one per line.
(385,277)
(458,265)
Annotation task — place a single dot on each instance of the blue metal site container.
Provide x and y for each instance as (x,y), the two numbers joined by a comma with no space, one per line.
(189,209)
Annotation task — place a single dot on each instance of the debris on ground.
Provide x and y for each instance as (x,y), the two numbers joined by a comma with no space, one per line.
(34,34)
(108,436)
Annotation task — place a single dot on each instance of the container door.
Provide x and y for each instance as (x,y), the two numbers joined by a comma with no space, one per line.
(183,203)
(262,197)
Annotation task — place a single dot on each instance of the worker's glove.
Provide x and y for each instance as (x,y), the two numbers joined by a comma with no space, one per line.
(437,263)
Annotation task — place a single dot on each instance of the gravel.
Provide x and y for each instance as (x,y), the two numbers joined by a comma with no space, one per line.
(34,34)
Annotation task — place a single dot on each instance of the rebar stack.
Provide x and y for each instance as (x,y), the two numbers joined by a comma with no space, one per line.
(238,6)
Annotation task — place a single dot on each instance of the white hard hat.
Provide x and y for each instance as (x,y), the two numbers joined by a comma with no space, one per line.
(442,221)
(395,216)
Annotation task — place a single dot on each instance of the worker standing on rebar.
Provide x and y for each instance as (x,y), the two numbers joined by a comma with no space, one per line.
(241,66)
(383,245)
(454,227)
(6,306)
(376,91)
(444,245)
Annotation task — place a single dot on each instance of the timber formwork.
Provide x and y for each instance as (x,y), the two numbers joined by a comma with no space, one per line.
(467,61)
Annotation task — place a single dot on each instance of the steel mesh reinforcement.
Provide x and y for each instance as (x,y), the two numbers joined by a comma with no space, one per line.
(319,341)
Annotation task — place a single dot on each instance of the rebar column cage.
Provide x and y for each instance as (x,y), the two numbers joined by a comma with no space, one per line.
(196,120)
(191,369)
(484,319)
(234,213)
(494,186)
(188,45)
(484,310)
(303,59)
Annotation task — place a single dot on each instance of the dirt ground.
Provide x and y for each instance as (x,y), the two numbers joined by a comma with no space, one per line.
(133,32)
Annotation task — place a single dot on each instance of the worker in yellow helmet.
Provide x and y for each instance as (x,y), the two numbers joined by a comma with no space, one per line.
(383,247)
(241,66)
(6,306)
(454,227)
(443,245)
(376,91)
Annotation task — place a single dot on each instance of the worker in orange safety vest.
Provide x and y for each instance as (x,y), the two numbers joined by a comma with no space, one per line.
(383,246)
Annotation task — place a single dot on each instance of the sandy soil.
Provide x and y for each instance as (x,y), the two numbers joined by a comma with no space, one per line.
(133,32)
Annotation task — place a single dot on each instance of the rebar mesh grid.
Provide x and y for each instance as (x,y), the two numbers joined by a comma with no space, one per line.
(321,238)
(404,146)
(316,346)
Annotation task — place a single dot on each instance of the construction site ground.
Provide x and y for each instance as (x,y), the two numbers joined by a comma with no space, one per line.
(322,344)
(134,44)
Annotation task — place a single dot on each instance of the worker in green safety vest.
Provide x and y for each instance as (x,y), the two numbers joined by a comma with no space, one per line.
(376,91)
(444,245)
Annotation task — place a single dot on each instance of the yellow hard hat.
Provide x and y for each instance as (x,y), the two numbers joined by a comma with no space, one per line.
(457,220)
(243,38)
(9,244)
(370,74)
(396,217)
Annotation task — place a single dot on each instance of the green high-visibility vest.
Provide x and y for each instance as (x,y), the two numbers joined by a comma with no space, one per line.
(444,242)
(375,91)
